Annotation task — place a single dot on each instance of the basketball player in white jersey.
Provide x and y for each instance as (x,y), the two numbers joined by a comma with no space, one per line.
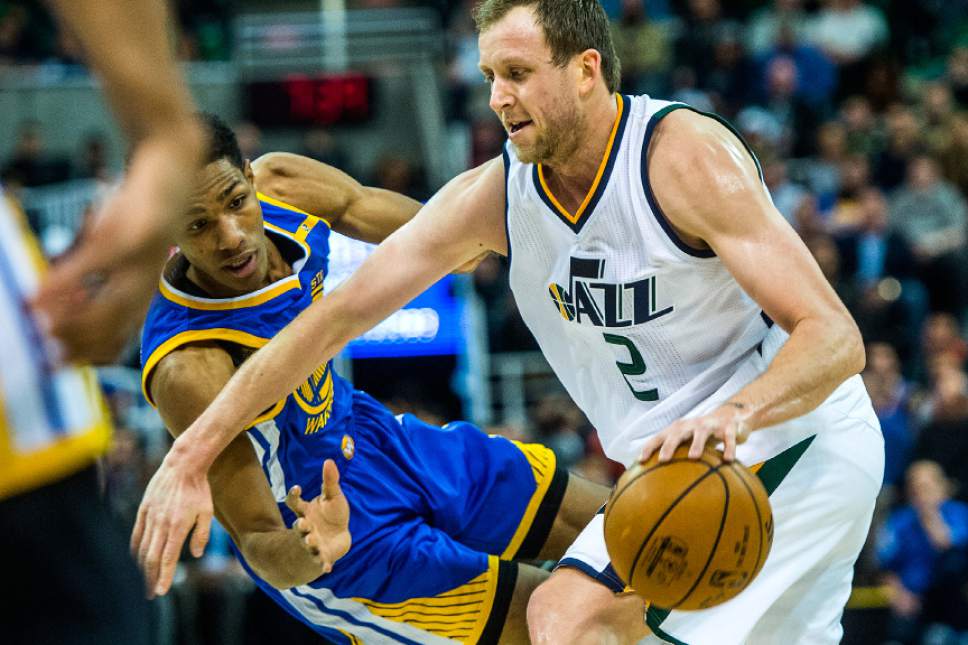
(670,297)
(67,576)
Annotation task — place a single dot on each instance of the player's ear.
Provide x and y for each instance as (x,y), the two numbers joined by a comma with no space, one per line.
(590,65)
(247,171)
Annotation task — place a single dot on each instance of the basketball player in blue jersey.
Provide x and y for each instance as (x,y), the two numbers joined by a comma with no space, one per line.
(67,577)
(423,524)
(672,300)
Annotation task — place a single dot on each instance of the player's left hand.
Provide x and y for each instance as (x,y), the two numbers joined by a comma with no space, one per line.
(727,424)
(324,522)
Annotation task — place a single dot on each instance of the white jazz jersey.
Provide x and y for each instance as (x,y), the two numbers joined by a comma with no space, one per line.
(52,422)
(641,329)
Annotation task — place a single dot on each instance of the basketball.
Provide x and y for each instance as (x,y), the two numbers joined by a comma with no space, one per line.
(688,534)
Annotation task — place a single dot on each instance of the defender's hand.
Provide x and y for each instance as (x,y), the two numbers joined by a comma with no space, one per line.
(727,425)
(93,300)
(324,522)
(176,501)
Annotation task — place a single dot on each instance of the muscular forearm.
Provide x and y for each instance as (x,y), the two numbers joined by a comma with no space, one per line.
(816,359)
(279,558)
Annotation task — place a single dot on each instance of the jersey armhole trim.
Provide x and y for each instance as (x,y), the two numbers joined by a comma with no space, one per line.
(650,195)
(507,197)
(193,336)
(198,335)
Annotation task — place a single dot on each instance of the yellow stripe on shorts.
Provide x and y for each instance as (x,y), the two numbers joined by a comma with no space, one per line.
(543,464)
(459,614)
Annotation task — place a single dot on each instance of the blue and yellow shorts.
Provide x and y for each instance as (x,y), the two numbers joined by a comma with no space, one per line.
(437,517)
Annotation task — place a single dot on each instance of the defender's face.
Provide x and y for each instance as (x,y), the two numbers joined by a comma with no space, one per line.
(536,100)
(221,234)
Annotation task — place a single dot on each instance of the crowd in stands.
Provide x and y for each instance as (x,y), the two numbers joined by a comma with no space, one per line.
(858,112)
(28,35)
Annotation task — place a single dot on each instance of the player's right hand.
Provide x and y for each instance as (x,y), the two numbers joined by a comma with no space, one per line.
(93,300)
(323,523)
(177,500)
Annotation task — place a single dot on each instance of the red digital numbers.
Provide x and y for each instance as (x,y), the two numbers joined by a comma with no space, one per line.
(327,100)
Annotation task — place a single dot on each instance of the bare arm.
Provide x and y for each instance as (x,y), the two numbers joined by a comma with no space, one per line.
(183,384)
(126,44)
(462,221)
(734,216)
(355,210)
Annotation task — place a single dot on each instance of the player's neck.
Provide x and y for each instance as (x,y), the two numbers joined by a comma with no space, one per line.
(277,268)
(572,176)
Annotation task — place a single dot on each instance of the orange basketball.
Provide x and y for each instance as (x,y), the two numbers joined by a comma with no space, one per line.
(688,534)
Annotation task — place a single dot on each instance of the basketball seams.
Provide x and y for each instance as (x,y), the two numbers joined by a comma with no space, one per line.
(759,518)
(645,471)
(661,518)
(719,535)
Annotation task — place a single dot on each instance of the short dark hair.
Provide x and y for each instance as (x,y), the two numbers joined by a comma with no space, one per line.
(570,27)
(222,142)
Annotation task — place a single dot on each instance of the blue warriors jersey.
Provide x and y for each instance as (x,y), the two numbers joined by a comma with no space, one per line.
(435,512)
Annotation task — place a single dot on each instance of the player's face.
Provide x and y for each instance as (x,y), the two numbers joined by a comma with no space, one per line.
(536,100)
(221,234)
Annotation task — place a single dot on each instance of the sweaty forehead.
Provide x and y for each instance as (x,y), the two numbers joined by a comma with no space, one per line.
(517,34)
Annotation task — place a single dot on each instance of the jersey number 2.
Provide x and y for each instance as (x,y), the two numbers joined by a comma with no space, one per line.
(636,367)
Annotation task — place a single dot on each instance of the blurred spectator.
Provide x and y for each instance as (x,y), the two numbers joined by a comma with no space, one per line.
(796,118)
(848,30)
(957,75)
(889,394)
(701,27)
(892,304)
(933,216)
(942,343)
(93,162)
(320,145)
(399,175)
(13,32)
(787,196)
(767,24)
(729,76)
(685,89)
(462,72)
(807,220)
(31,164)
(904,141)
(937,111)
(945,438)
(816,74)
(953,152)
(922,547)
(846,214)
(821,173)
(644,48)
(863,134)
(825,252)
(250,140)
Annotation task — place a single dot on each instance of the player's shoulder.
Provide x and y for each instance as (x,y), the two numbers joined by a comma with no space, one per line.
(690,146)
(685,136)
(179,373)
